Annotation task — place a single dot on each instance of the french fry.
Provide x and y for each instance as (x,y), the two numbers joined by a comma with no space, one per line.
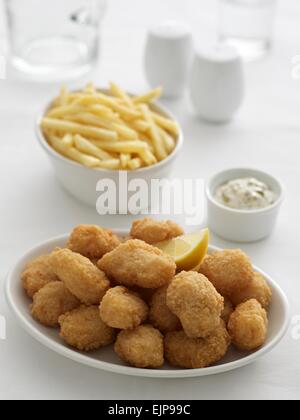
(68,140)
(87,147)
(108,101)
(90,89)
(124,132)
(67,127)
(86,100)
(79,157)
(119,93)
(133,147)
(135,163)
(158,143)
(62,111)
(166,123)
(64,93)
(73,154)
(148,97)
(103,111)
(139,125)
(72,97)
(149,158)
(112,164)
(123,110)
(146,139)
(125,158)
(168,140)
(122,146)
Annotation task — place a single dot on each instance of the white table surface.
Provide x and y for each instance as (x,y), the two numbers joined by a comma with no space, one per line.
(33,207)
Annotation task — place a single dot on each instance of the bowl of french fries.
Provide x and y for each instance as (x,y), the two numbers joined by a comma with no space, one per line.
(92,134)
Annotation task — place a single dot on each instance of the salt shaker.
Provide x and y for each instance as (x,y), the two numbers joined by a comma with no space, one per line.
(217,83)
(168,57)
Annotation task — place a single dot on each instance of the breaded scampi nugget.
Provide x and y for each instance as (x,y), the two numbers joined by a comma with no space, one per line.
(136,263)
(257,289)
(80,276)
(195,353)
(160,315)
(123,309)
(52,301)
(195,301)
(228,270)
(152,231)
(248,326)
(84,330)
(37,274)
(92,241)
(141,348)
(227,311)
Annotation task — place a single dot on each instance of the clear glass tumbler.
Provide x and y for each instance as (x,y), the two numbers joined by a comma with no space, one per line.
(56,40)
(247,25)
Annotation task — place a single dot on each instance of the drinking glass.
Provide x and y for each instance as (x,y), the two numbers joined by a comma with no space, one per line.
(247,25)
(56,40)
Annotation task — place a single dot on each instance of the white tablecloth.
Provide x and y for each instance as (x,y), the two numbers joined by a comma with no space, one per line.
(33,207)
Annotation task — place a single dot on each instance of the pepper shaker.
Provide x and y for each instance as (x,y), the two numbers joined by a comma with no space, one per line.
(168,57)
(217,84)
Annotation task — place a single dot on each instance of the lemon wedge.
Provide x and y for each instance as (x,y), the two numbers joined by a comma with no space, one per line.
(188,251)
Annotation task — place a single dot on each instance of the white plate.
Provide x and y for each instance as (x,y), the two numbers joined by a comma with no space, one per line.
(106,359)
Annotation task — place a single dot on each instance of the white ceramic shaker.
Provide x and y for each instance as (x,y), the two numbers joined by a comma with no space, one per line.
(168,57)
(217,83)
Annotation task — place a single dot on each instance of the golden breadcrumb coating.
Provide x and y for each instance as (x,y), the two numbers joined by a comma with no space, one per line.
(123,309)
(84,330)
(196,302)
(160,315)
(196,353)
(153,231)
(227,311)
(92,241)
(141,348)
(257,289)
(37,274)
(228,270)
(80,276)
(52,301)
(136,263)
(248,326)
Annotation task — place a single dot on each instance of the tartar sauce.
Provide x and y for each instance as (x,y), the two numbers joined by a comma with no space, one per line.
(245,194)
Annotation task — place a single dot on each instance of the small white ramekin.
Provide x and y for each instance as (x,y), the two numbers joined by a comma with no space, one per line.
(81,181)
(242,225)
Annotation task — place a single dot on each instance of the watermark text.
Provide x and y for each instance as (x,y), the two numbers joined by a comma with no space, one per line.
(296,327)
(296,67)
(2,67)
(2,328)
(136,196)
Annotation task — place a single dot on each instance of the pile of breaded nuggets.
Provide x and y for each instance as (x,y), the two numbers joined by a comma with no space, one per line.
(102,289)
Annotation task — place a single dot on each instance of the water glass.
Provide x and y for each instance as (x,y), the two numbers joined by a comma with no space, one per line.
(247,25)
(54,41)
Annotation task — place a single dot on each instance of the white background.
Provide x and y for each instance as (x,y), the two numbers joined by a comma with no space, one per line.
(33,207)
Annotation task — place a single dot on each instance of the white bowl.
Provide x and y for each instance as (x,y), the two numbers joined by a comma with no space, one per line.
(106,359)
(81,181)
(242,225)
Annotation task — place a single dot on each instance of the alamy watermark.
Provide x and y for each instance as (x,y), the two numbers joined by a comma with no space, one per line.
(296,327)
(2,328)
(2,67)
(136,196)
(296,67)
